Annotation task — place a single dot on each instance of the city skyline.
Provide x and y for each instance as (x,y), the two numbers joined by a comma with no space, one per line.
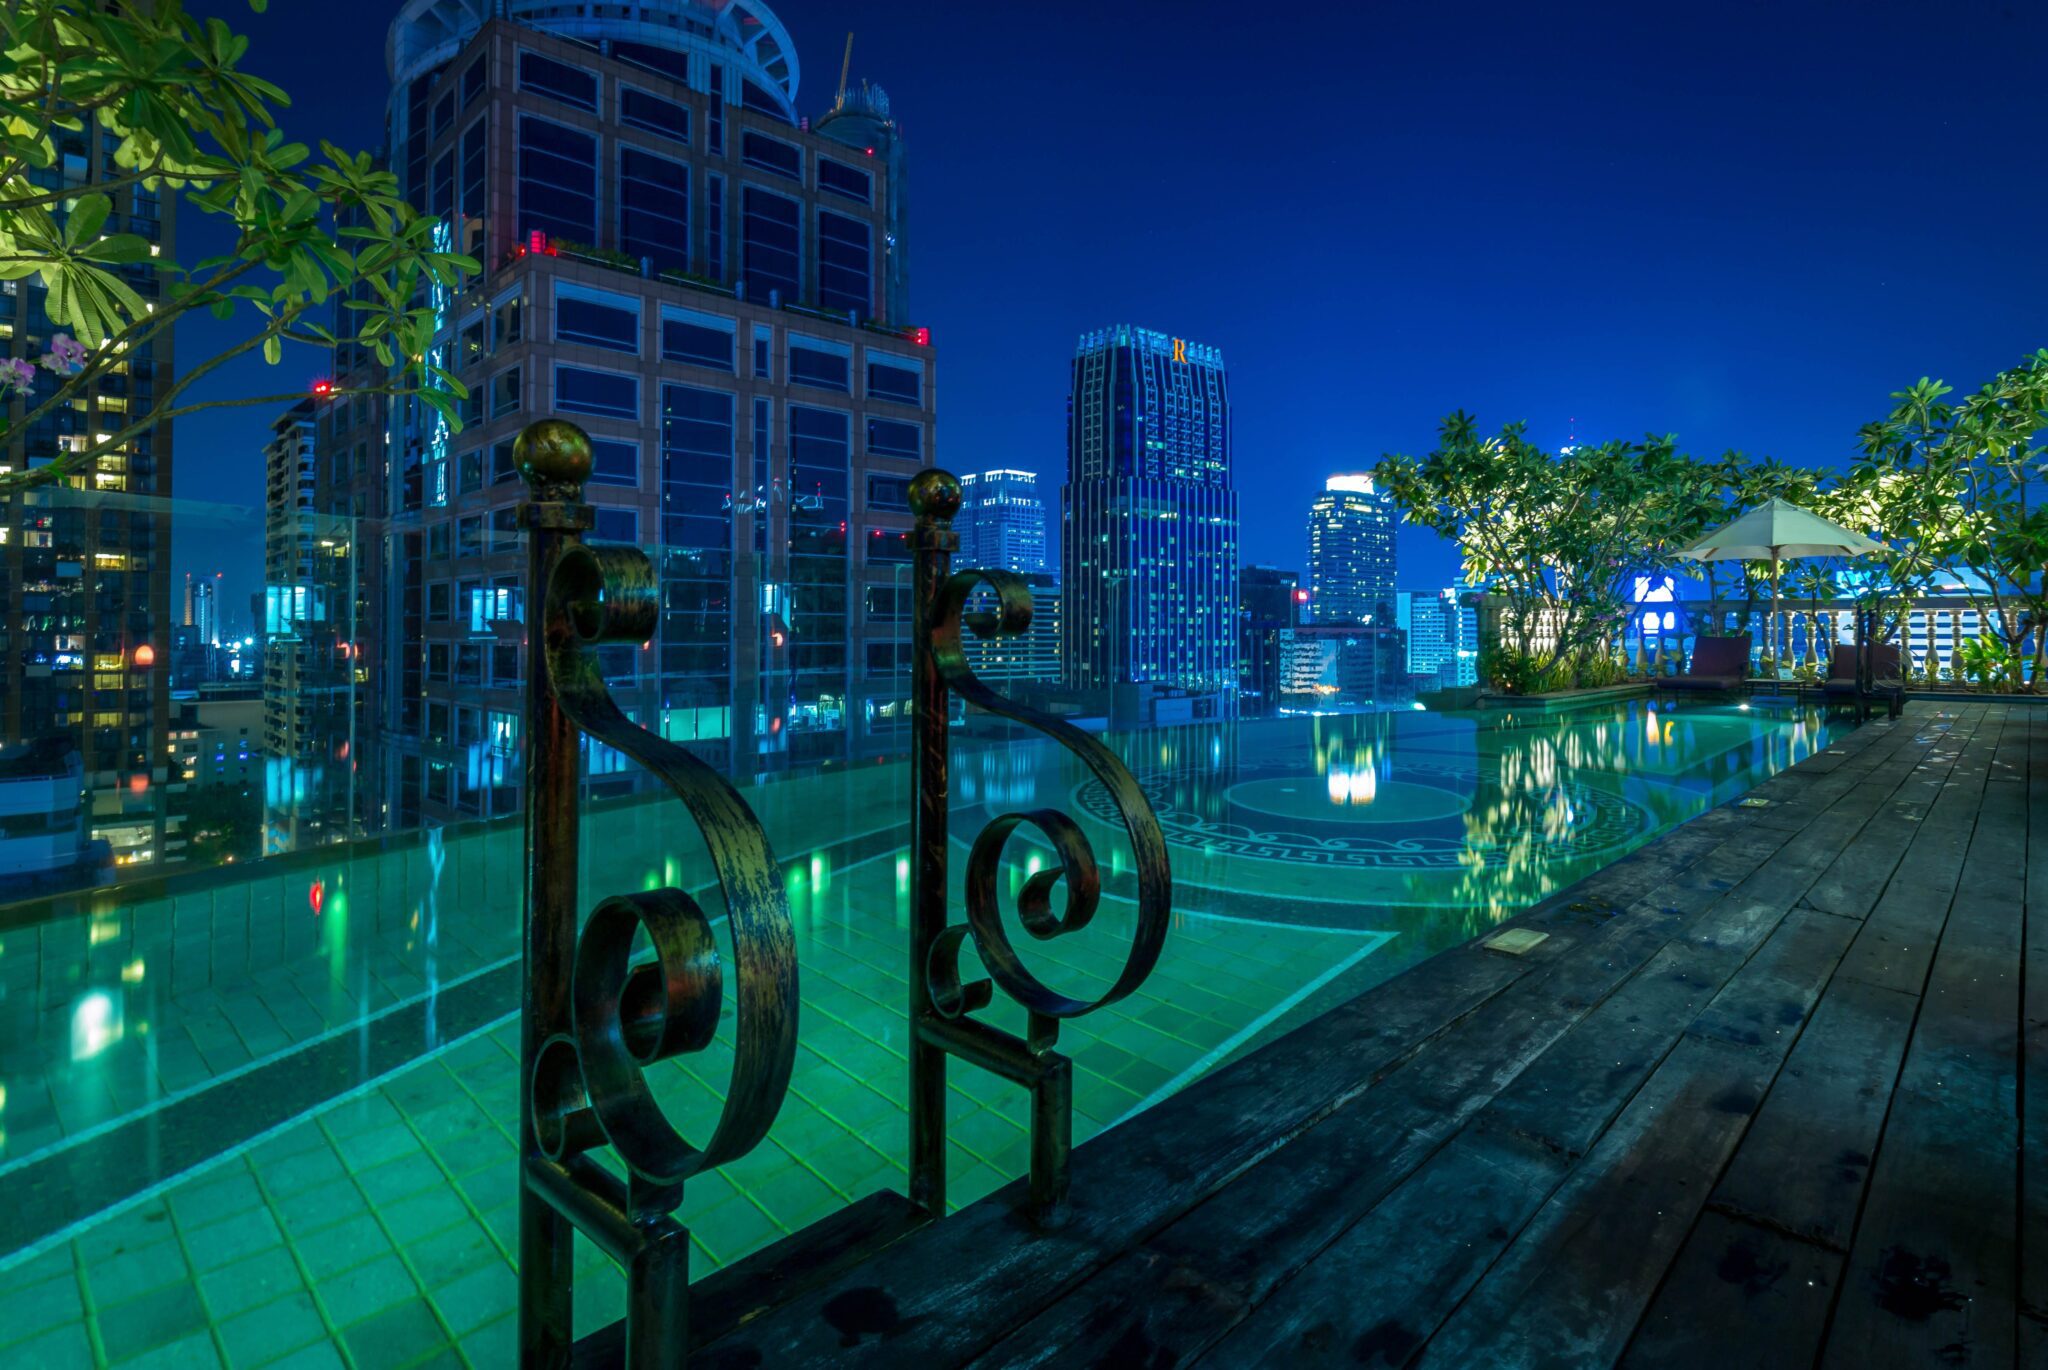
(1716,214)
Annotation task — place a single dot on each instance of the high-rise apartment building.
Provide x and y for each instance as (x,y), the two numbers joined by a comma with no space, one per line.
(1271,601)
(1443,638)
(85,577)
(1148,549)
(305,622)
(1351,552)
(1002,522)
(714,288)
(1032,656)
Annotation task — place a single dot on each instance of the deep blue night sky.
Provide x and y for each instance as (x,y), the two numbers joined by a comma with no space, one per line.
(1744,223)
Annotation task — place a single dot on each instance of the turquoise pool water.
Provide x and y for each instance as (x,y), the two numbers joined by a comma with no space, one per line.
(268,1119)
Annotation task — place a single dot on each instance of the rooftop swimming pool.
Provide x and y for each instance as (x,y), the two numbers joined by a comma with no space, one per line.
(271,1108)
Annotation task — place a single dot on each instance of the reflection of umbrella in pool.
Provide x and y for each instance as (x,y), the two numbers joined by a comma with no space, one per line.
(1777,532)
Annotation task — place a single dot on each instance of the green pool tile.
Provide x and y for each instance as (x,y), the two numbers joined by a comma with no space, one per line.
(133,1326)
(28,1312)
(302,1170)
(476,1299)
(312,1210)
(731,1229)
(491,1186)
(368,1290)
(118,1279)
(344,1246)
(195,1352)
(397,1337)
(401,1178)
(368,1150)
(249,1282)
(133,1230)
(493,1347)
(234,1237)
(794,1191)
(451,1254)
(320,1355)
(422,1214)
(60,1348)
(268,1332)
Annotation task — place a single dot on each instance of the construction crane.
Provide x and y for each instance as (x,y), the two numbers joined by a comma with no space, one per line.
(845,66)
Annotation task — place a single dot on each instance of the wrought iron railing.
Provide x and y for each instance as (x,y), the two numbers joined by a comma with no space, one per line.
(942,1004)
(593,1018)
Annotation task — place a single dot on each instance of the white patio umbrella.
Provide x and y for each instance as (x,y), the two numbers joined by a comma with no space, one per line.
(1778,532)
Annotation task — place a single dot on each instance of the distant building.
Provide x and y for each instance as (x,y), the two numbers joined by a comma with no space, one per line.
(1342,666)
(1032,657)
(1001,522)
(85,577)
(202,608)
(1270,605)
(1351,552)
(1443,638)
(1149,518)
(43,842)
(306,628)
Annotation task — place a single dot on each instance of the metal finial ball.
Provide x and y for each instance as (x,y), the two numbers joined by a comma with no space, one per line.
(553,453)
(935,493)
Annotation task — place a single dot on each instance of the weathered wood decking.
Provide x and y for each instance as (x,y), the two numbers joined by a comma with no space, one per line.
(1772,1092)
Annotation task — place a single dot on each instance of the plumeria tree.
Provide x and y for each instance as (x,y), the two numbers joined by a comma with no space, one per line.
(1558,537)
(169,94)
(1968,476)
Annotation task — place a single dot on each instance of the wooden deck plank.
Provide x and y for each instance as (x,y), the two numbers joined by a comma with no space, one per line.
(1933,1270)
(1736,1281)
(1169,1298)
(1647,1137)
(2033,1218)
(1571,1287)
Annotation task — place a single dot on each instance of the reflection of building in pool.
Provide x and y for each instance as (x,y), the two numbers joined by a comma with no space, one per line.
(1351,552)
(1001,522)
(1344,666)
(1149,517)
(1443,638)
(1270,603)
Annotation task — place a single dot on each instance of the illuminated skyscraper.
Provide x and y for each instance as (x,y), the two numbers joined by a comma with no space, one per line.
(677,260)
(1149,516)
(85,575)
(1351,552)
(1002,522)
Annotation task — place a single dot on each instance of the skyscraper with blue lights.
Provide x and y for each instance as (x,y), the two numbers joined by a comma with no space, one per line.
(1002,522)
(1149,516)
(1351,552)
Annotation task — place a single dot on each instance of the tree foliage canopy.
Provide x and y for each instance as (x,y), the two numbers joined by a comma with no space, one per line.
(183,117)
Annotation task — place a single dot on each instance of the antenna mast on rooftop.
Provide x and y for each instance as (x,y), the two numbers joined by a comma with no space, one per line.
(845,66)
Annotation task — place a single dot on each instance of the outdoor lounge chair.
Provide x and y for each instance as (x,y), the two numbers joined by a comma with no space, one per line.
(1887,681)
(1718,663)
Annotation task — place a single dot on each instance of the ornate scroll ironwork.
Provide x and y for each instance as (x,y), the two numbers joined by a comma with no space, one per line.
(942,1005)
(594,1017)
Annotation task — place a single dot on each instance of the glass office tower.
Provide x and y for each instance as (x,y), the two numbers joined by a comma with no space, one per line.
(676,261)
(1351,553)
(1002,522)
(1149,538)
